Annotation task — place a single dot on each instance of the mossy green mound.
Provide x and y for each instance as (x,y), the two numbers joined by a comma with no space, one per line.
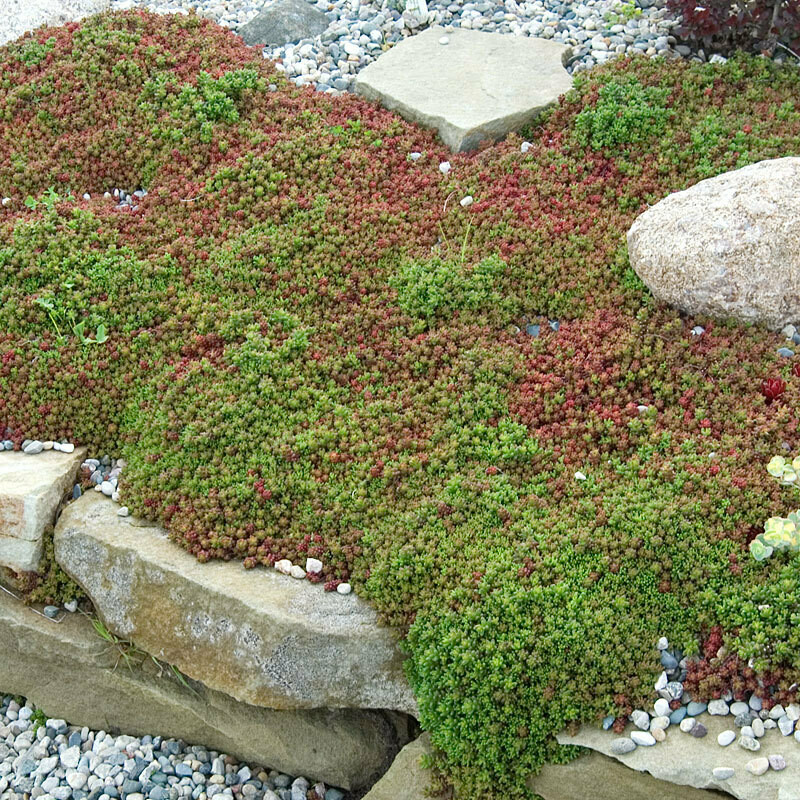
(304,345)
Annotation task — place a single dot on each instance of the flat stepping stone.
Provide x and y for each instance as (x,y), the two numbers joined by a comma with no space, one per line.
(259,636)
(284,21)
(474,87)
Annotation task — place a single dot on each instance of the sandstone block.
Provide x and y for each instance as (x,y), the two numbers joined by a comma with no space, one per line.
(262,637)
(31,489)
(475,87)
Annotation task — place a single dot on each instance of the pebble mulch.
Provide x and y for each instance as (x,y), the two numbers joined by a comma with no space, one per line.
(47,759)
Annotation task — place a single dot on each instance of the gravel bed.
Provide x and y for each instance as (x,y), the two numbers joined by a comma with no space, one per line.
(359,32)
(47,759)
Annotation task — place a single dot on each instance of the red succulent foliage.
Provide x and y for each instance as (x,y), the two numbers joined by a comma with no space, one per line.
(773,388)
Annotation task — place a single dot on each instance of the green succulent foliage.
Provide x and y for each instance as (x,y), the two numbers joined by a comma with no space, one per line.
(430,290)
(626,113)
(781,534)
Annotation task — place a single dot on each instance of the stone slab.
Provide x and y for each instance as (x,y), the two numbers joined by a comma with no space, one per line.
(70,673)
(20,16)
(406,779)
(284,21)
(681,759)
(31,489)
(259,636)
(598,777)
(478,86)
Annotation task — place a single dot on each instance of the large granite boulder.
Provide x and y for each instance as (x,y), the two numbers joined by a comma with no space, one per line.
(259,636)
(21,16)
(284,21)
(688,762)
(728,246)
(31,489)
(470,86)
(69,672)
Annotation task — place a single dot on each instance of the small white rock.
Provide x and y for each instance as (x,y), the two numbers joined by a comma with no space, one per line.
(115,497)
(661,707)
(663,643)
(57,446)
(725,738)
(415,156)
(723,773)
(687,723)
(313,565)
(525,146)
(6,201)
(757,766)
(659,723)
(793,711)
(48,445)
(444,40)
(659,734)
(444,167)
(718,708)
(87,196)
(107,488)
(344,588)
(758,728)
(67,447)
(643,738)
(467,201)
(579,476)
(123,511)
(284,566)
(777,711)
(662,681)
(297,572)
(71,606)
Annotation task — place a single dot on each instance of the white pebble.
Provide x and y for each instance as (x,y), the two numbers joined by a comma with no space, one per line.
(6,201)
(758,727)
(344,588)
(663,642)
(467,201)
(123,511)
(579,476)
(757,766)
(662,682)
(415,156)
(107,488)
(67,447)
(87,196)
(643,738)
(297,572)
(525,146)
(723,773)
(725,738)
(661,707)
(284,566)
(444,40)
(444,167)
(313,565)
(687,723)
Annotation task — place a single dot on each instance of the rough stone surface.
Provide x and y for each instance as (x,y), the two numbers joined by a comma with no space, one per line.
(21,16)
(478,86)
(406,779)
(260,636)
(728,246)
(600,778)
(284,21)
(69,672)
(31,489)
(685,761)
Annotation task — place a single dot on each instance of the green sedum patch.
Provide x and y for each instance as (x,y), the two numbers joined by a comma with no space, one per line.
(310,348)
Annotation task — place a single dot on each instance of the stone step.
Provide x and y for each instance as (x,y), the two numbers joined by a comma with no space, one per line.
(468,85)
(31,489)
(69,672)
(259,636)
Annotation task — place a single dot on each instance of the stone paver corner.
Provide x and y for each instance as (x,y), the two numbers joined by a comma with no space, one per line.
(474,87)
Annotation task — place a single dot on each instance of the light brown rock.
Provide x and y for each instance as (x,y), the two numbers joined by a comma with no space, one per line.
(728,246)
(478,86)
(31,489)
(69,672)
(406,779)
(600,778)
(264,638)
(688,762)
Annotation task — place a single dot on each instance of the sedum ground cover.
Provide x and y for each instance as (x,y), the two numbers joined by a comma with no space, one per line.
(304,345)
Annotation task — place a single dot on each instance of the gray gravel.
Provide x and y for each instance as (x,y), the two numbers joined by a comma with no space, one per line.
(47,759)
(359,32)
